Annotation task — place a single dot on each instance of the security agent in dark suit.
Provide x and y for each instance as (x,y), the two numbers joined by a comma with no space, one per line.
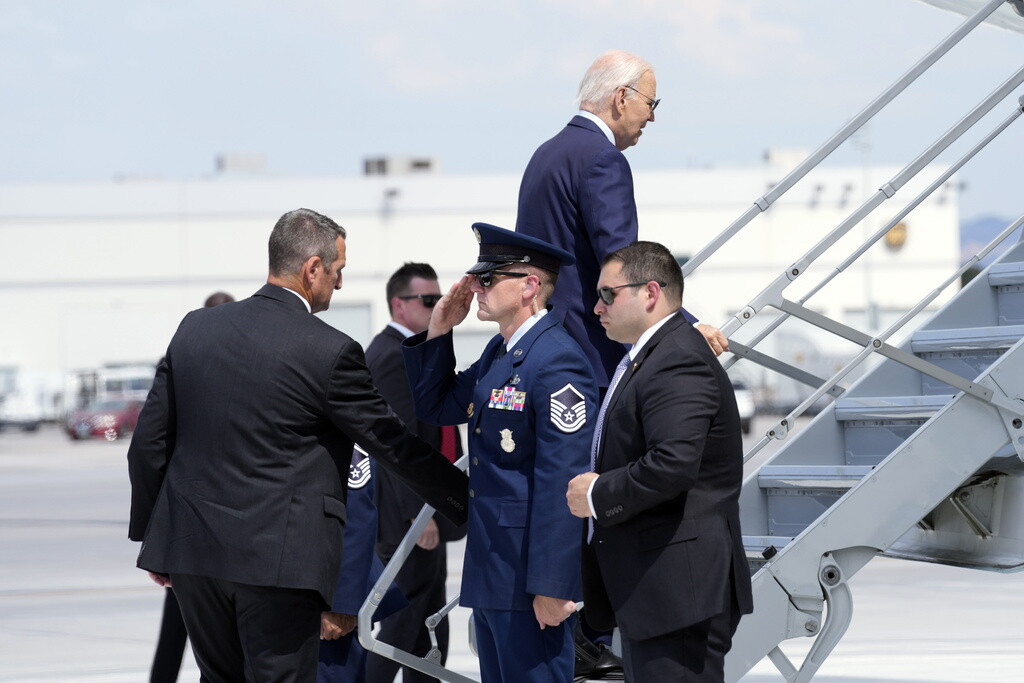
(411,291)
(529,401)
(665,561)
(239,459)
(577,194)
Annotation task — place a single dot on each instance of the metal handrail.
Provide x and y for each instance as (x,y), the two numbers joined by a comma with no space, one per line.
(807,165)
(429,666)
(879,234)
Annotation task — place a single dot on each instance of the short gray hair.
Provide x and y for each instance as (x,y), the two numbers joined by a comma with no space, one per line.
(300,235)
(608,73)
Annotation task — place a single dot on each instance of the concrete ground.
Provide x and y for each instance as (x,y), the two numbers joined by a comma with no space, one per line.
(73,607)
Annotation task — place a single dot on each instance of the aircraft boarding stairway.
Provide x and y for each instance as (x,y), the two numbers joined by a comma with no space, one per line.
(919,459)
(923,457)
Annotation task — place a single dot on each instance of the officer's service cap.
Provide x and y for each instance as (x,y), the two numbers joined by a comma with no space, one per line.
(500,247)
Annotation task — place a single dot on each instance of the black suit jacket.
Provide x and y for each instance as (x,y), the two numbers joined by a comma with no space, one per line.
(667,550)
(239,460)
(396,504)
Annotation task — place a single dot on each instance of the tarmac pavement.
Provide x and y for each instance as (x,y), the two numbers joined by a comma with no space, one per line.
(73,607)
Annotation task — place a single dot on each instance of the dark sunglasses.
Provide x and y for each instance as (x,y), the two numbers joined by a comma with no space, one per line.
(486,279)
(428,300)
(607,294)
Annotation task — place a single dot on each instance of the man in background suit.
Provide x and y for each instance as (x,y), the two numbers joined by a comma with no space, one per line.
(411,291)
(239,460)
(665,561)
(577,194)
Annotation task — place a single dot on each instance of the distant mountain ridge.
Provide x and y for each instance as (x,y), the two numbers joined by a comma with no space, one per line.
(975,233)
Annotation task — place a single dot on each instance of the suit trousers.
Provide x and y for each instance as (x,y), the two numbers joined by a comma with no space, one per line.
(695,654)
(250,634)
(170,645)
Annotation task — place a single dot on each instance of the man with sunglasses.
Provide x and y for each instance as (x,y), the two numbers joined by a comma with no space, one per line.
(664,559)
(577,193)
(411,291)
(529,402)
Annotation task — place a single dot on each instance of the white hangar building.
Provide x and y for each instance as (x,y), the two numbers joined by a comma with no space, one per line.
(100,273)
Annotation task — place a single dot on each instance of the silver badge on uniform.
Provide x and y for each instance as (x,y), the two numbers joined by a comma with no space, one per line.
(568,409)
(358,469)
(507,444)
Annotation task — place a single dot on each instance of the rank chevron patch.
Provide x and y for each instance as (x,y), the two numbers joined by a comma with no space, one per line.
(568,409)
(358,469)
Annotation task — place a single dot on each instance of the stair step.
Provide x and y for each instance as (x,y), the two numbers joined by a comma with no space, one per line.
(966,352)
(873,427)
(1008,281)
(889,407)
(1006,274)
(833,477)
(799,494)
(995,337)
(757,545)
(760,549)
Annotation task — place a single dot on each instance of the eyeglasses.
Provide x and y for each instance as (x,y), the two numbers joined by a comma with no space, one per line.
(428,300)
(653,104)
(486,279)
(607,294)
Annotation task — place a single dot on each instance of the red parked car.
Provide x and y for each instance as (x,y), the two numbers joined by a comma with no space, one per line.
(110,419)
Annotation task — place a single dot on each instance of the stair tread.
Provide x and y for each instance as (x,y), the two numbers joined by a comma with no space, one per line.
(850,408)
(967,338)
(1006,274)
(811,476)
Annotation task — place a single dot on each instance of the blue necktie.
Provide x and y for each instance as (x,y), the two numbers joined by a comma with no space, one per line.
(599,427)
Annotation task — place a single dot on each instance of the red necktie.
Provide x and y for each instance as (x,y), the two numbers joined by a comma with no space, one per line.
(448,436)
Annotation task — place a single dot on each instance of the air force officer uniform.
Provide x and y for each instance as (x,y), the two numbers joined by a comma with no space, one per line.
(529,406)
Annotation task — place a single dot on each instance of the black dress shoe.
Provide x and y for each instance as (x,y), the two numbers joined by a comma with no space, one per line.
(594,661)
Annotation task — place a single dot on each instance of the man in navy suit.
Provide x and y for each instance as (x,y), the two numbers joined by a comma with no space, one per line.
(529,401)
(665,559)
(239,459)
(577,194)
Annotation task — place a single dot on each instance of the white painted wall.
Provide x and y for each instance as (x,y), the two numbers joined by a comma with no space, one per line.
(97,273)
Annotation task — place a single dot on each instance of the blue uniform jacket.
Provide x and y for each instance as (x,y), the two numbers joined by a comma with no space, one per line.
(531,421)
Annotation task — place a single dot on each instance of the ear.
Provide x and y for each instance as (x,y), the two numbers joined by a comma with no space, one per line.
(619,99)
(654,294)
(311,269)
(531,286)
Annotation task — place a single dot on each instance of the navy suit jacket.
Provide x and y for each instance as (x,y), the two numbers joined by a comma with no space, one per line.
(667,550)
(240,456)
(577,193)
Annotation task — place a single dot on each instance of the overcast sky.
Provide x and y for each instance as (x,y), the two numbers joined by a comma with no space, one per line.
(95,90)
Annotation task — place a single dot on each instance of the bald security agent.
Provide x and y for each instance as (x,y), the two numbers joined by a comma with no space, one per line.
(239,460)
(529,403)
